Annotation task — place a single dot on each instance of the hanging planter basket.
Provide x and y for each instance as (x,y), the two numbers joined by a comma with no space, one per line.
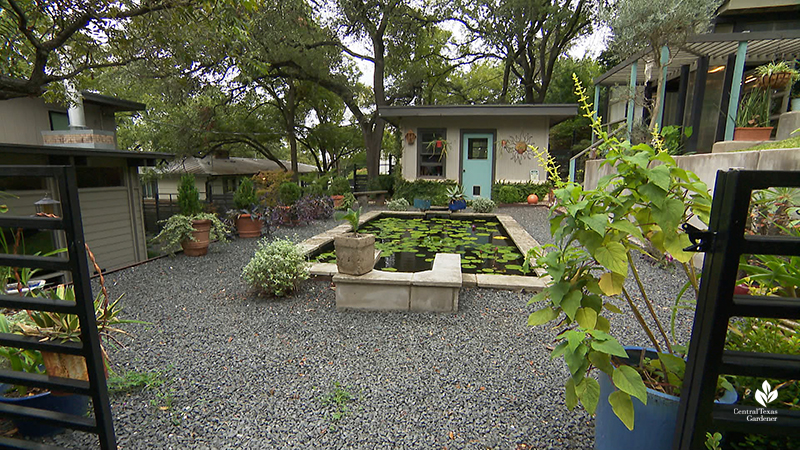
(775,81)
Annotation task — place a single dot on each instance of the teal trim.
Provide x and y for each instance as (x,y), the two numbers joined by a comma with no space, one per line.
(632,94)
(595,104)
(572,170)
(736,90)
(662,91)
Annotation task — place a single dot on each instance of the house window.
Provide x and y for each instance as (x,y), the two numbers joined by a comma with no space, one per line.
(59,121)
(431,147)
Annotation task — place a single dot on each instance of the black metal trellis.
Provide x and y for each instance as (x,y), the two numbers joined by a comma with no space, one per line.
(724,243)
(89,347)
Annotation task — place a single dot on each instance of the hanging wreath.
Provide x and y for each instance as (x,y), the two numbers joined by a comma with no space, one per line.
(518,146)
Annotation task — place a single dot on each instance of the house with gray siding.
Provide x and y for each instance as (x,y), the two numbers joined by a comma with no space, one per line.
(33,132)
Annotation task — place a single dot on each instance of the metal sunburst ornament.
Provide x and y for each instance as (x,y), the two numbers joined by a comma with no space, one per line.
(519,146)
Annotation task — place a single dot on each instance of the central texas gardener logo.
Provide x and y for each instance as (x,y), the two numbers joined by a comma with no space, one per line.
(766,394)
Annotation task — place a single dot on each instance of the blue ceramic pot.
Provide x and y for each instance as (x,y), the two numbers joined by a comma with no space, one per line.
(422,204)
(69,404)
(458,205)
(654,424)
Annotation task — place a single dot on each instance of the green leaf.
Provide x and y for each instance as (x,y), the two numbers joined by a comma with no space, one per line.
(594,302)
(602,361)
(576,361)
(573,208)
(669,216)
(627,227)
(574,339)
(571,303)
(673,363)
(622,405)
(542,316)
(570,396)
(586,318)
(588,391)
(596,222)
(613,256)
(603,324)
(659,175)
(612,283)
(557,292)
(641,159)
(612,307)
(541,296)
(674,243)
(611,347)
(559,350)
(628,380)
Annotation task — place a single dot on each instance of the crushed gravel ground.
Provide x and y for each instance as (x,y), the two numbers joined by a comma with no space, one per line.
(244,372)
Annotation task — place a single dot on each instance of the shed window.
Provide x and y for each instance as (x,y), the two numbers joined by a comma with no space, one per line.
(93,177)
(432,148)
(59,121)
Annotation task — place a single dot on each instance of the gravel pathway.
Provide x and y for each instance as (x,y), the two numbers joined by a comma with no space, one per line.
(243,372)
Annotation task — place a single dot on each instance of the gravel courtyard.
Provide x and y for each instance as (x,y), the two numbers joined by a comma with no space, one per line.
(244,372)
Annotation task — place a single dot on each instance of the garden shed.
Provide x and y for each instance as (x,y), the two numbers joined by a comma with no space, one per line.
(476,145)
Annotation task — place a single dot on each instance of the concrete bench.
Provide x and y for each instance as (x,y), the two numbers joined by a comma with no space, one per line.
(364,196)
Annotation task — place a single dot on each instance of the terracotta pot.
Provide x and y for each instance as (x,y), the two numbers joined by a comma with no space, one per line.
(533,199)
(337,200)
(355,254)
(248,227)
(201,232)
(521,147)
(752,133)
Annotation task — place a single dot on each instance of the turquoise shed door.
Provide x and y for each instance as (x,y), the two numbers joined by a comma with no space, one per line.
(477,155)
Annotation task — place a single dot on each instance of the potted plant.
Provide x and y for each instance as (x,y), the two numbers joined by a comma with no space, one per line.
(776,75)
(192,229)
(752,118)
(355,253)
(339,187)
(438,146)
(598,234)
(45,326)
(248,215)
(455,195)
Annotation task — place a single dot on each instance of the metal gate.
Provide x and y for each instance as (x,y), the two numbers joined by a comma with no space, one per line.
(89,347)
(724,243)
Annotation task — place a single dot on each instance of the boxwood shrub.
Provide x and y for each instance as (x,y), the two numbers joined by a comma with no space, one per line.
(523,190)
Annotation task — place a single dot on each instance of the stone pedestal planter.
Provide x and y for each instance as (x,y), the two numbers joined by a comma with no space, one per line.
(355,253)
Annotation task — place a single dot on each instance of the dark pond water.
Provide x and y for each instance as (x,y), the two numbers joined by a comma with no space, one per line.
(410,244)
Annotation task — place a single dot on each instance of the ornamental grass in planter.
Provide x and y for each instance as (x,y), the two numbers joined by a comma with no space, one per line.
(355,253)
(636,210)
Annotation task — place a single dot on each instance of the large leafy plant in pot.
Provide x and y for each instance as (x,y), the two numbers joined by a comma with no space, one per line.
(355,252)
(599,234)
(192,229)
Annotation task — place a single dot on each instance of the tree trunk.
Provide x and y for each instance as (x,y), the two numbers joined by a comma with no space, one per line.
(291,132)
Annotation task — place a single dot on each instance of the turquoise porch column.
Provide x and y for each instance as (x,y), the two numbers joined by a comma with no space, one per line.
(736,89)
(662,91)
(632,94)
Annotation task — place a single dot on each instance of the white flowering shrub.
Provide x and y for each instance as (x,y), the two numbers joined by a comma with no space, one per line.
(399,204)
(276,268)
(483,205)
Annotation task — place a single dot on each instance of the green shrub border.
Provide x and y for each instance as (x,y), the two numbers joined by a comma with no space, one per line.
(524,189)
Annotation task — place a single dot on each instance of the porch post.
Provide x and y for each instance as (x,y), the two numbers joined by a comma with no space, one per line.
(662,90)
(682,91)
(596,108)
(736,89)
(632,97)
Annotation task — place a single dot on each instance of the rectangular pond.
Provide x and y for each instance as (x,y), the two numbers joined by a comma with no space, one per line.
(410,243)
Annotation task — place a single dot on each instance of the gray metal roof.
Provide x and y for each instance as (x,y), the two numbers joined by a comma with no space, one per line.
(761,47)
(227,166)
(556,112)
(137,158)
(116,104)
